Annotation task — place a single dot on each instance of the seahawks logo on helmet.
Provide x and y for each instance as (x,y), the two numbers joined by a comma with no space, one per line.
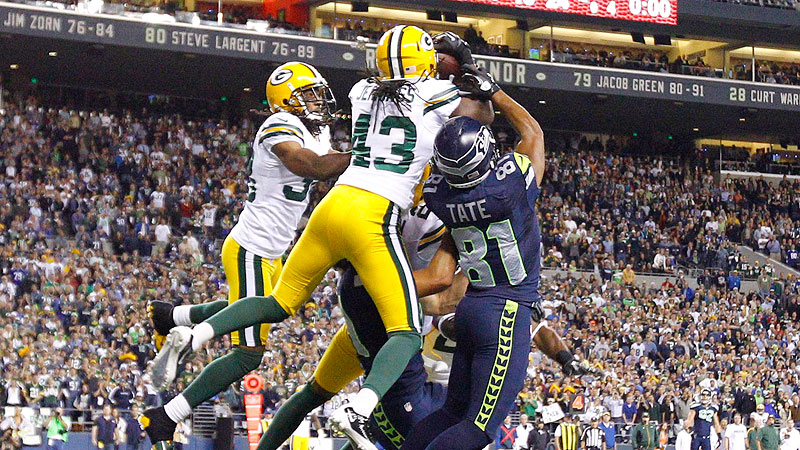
(464,152)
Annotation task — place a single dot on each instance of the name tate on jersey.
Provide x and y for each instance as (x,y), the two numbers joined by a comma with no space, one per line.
(468,212)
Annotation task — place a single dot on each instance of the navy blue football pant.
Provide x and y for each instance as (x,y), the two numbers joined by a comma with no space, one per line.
(701,443)
(489,367)
(396,415)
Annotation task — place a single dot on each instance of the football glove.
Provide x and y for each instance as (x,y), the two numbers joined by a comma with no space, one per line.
(579,369)
(477,83)
(451,44)
(537,313)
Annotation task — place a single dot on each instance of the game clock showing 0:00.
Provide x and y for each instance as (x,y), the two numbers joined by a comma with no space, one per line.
(656,11)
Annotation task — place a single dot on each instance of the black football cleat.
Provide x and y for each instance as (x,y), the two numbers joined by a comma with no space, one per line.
(159,428)
(161,315)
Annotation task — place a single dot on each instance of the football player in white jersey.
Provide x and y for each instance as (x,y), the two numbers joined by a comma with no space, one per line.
(291,149)
(353,349)
(396,116)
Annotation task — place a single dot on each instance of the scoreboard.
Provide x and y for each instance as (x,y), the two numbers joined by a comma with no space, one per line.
(655,11)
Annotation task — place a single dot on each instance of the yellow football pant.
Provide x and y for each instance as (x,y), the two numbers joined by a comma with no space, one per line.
(248,274)
(339,364)
(359,226)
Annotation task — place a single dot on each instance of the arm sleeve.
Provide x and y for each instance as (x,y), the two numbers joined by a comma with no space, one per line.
(441,100)
(528,178)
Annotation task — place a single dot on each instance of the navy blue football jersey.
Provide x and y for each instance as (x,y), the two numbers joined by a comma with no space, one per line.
(495,229)
(703,419)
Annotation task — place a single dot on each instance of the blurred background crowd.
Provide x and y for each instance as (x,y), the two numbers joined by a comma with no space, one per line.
(103,211)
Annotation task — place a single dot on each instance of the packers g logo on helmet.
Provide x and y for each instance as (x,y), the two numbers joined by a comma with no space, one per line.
(405,52)
(298,88)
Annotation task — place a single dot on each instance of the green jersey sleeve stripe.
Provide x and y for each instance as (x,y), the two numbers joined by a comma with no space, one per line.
(437,105)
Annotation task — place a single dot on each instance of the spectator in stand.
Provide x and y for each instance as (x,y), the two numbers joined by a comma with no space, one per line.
(790,437)
(683,440)
(628,276)
(768,435)
(629,410)
(735,434)
(506,435)
(57,430)
(522,431)
(734,280)
(538,438)
(104,429)
(644,435)
(134,433)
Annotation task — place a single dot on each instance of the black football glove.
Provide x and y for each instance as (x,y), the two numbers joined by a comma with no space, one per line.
(537,313)
(579,369)
(451,44)
(477,83)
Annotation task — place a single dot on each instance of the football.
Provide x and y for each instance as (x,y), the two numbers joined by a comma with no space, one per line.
(448,65)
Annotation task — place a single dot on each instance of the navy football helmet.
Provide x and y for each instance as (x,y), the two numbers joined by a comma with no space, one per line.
(464,152)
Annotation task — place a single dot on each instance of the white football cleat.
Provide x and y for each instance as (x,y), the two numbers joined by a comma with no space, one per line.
(177,347)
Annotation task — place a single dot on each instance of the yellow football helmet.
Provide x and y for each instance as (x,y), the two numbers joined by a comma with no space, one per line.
(298,88)
(405,52)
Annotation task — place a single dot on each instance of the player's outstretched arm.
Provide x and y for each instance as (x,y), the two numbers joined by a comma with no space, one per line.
(551,344)
(438,276)
(531,134)
(305,163)
(445,302)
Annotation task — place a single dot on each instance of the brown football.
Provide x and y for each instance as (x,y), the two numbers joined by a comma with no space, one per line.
(448,65)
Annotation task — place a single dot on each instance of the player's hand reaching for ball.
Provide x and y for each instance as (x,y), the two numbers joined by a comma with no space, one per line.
(477,83)
(451,44)
(578,368)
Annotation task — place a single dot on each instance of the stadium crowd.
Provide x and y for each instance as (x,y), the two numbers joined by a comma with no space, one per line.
(604,211)
(103,211)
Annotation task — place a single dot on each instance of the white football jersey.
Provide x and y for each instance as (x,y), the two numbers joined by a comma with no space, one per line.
(422,233)
(391,145)
(276,197)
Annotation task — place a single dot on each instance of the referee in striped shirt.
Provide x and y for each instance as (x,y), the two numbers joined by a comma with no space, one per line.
(593,438)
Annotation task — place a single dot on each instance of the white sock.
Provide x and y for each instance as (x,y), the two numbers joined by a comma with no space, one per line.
(201,334)
(178,408)
(180,315)
(365,402)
